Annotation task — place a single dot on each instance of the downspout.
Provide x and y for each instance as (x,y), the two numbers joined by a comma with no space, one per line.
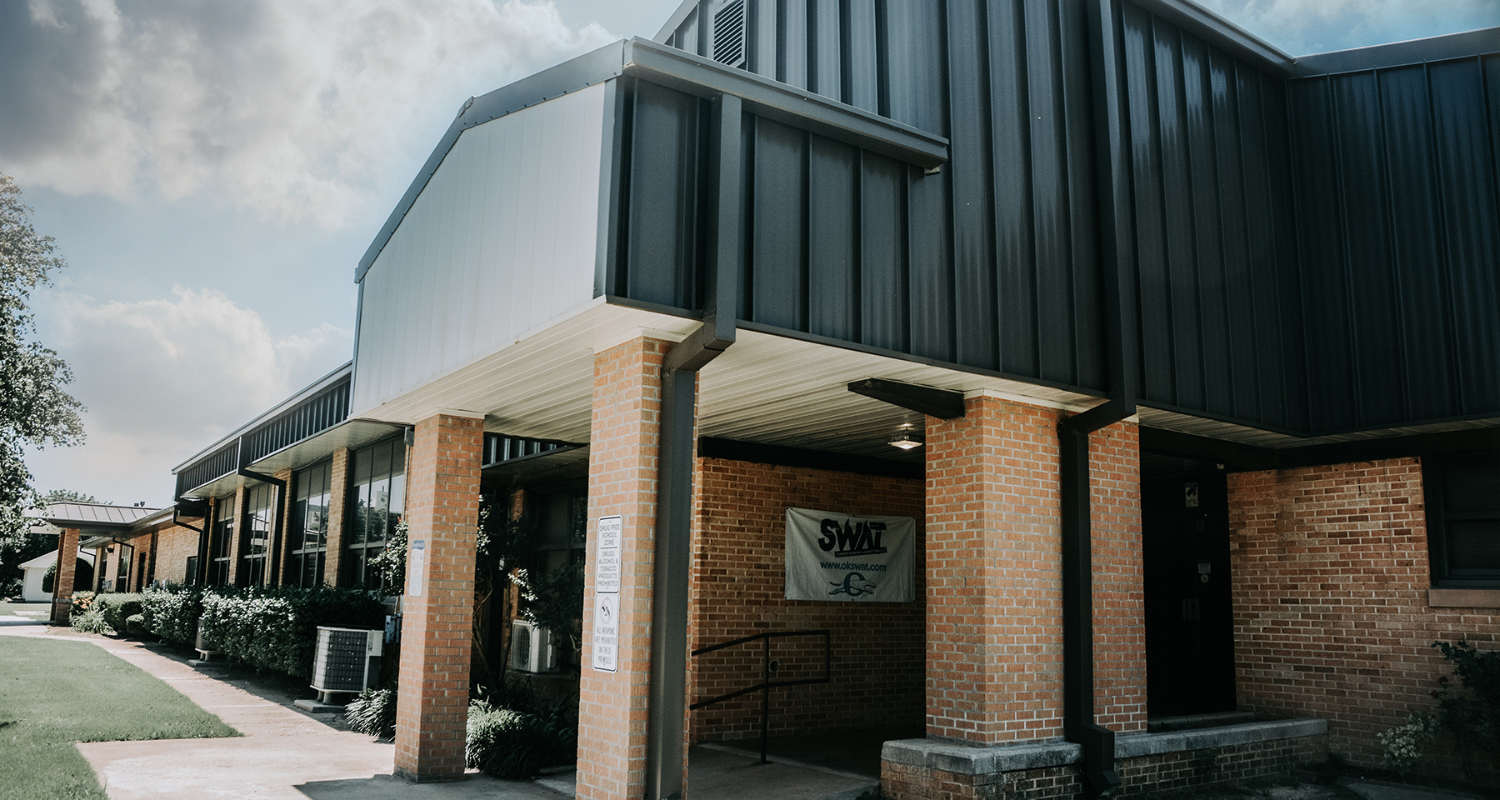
(1117,262)
(666,732)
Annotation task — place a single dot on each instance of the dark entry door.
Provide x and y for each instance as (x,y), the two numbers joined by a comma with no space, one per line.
(1189,628)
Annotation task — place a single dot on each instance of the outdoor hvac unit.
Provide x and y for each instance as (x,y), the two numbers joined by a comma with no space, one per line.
(531,648)
(347,661)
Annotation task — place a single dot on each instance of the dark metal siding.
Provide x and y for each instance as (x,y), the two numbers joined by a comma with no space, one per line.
(1218,311)
(304,420)
(989,264)
(1399,229)
(1311,254)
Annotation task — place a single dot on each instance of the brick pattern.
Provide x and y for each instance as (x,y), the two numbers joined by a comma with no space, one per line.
(739,577)
(174,546)
(442,509)
(1181,773)
(338,505)
(1119,606)
(623,445)
(67,568)
(1330,577)
(283,519)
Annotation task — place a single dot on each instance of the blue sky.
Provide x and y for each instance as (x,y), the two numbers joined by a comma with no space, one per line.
(214,171)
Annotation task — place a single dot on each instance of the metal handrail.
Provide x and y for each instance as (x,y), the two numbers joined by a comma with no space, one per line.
(766,684)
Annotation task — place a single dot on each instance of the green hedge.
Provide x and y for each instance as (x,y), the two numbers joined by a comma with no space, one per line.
(172,613)
(276,629)
(117,607)
(269,629)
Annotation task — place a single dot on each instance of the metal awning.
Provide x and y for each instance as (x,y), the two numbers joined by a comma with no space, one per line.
(349,433)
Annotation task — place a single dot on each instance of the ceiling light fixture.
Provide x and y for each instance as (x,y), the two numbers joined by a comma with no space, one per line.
(907,439)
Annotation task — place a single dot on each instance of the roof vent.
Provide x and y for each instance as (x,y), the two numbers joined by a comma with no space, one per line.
(729,33)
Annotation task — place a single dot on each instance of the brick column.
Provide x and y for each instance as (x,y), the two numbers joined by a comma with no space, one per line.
(1118,581)
(62,580)
(613,706)
(442,506)
(276,569)
(338,505)
(994,574)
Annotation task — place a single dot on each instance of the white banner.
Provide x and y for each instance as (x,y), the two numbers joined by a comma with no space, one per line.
(846,558)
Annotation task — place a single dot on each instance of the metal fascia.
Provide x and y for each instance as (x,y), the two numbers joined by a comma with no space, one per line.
(1416,51)
(308,391)
(1222,33)
(683,71)
(675,21)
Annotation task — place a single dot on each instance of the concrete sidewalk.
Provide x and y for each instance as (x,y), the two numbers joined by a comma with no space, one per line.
(283,753)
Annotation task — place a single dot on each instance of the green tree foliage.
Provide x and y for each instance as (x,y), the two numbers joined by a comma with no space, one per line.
(69,496)
(34,409)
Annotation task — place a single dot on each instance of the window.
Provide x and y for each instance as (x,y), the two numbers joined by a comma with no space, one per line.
(1463,519)
(190,577)
(255,540)
(221,534)
(308,536)
(377,500)
(122,568)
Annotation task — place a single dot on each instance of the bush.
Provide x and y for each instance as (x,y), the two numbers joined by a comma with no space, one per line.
(116,607)
(276,629)
(172,613)
(373,713)
(135,626)
(1468,710)
(515,732)
(91,621)
(11,588)
(82,601)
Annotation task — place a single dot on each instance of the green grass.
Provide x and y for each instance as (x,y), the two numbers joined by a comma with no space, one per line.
(28,610)
(54,693)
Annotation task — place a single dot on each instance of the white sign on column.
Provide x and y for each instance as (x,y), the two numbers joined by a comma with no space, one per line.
(416,568)
(605,642)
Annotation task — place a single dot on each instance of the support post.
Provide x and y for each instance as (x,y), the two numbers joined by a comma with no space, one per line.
(62,578)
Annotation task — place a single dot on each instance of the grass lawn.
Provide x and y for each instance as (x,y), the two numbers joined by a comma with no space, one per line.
(27,610)
(54,693)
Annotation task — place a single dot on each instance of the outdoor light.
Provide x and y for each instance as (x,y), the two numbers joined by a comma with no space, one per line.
(906,438)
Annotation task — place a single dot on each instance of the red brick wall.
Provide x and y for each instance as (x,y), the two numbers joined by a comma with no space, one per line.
(442,505)
(338,506)
(624,432)
(174,546)
(739,578)
(1330,576)
(1119,594)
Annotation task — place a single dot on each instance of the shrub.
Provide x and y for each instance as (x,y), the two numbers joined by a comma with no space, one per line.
(373,713)
(135,626)
(91,621)
(514,732)
(1468,709)
(11,588)
(172,613)
(276,629)
(82,601)
(117,607)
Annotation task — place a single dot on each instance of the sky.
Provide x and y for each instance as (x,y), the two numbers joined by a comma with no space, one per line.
(214,171)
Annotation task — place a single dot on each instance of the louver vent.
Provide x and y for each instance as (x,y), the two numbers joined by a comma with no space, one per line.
(729,33)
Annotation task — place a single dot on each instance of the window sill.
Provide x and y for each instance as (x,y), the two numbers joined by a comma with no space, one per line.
(1463,598)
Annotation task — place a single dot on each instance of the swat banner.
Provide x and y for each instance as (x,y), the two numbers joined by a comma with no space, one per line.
(845,558)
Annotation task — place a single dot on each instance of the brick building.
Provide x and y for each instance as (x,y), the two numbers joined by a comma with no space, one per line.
(1187,347)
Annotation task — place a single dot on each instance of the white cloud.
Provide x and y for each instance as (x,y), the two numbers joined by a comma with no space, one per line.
(297,111)
(1304,27)
(163,379)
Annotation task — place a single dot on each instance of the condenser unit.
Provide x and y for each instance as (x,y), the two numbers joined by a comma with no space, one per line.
(531,648)
(347,661)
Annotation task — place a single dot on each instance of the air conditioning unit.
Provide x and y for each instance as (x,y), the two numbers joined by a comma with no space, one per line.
(531,648)
(346,661)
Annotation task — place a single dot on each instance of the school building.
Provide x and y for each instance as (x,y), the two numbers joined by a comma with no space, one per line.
(1180,356)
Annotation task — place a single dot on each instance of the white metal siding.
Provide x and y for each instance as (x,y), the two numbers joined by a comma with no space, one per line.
(499,243)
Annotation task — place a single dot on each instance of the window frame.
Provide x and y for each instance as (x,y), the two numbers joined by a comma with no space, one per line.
(354,568)
(221,539)
(1434,482)
(297,556)
(254,568)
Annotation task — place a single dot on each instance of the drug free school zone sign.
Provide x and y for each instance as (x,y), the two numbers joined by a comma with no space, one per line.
(847,558)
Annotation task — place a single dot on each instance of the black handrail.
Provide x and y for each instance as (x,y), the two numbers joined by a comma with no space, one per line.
(766,684)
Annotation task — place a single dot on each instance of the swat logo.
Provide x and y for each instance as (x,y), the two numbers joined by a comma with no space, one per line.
(858,539)
(854,585)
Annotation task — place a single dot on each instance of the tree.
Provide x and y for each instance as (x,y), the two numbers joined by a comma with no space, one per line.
(69,496)
(34,409)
